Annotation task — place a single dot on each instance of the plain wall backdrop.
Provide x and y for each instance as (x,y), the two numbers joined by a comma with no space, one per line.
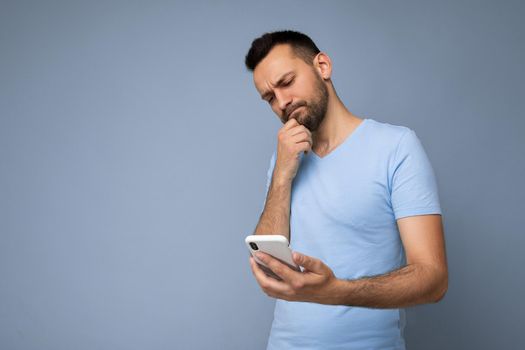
(134,149)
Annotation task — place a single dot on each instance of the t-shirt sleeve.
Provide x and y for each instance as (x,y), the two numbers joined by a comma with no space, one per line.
(414,188)
(268,179)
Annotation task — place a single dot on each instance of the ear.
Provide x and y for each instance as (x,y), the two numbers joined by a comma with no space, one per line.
(323,65)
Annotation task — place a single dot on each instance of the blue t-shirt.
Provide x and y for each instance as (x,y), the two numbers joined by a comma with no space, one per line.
(344,208)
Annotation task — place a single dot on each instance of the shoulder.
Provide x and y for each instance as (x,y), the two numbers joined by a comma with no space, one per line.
(385,138)
(387,131)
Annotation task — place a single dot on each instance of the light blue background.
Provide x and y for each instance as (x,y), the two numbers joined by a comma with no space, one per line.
(134,150)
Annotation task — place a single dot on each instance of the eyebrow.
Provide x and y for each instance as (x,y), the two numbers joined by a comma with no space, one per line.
(279,83)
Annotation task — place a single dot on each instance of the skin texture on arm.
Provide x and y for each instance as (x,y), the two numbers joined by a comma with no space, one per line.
(293,139)
(275,218)
(423,280)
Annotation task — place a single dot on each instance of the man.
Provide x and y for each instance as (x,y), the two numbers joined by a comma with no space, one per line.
(358,201)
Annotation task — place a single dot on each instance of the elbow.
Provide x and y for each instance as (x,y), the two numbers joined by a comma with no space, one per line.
(440,296)
(442,288)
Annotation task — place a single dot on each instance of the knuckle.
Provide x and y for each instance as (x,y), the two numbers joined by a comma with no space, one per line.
(298,284)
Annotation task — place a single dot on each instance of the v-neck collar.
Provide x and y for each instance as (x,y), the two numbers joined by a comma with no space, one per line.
(347,139)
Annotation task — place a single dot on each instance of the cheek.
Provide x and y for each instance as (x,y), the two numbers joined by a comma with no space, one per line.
(302,90)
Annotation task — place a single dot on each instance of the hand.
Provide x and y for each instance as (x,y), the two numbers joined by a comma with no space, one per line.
(317,283)
(293,138)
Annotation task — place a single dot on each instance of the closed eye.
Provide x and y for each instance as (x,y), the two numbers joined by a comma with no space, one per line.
(287,83)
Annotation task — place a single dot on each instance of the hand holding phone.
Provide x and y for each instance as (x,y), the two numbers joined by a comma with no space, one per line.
(274,245)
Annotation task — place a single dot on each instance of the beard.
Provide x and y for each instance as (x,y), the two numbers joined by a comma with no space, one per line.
(313,112)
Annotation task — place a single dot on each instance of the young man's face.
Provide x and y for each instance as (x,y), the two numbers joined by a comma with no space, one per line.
(293,88)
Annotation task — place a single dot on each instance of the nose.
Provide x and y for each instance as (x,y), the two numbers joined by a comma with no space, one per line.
(283,100)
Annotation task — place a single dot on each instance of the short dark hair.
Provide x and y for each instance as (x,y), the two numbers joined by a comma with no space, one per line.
(302,45)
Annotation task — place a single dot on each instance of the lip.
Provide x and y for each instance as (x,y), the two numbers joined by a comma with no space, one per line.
(295,110)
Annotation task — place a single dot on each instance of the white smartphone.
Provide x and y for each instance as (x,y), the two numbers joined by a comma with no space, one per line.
(275,245)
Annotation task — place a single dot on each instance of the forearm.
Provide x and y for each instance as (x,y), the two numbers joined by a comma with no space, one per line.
(411,285)
(275,218)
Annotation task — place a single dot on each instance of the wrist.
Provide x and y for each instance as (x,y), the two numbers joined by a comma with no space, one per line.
(339,292)
(281,180)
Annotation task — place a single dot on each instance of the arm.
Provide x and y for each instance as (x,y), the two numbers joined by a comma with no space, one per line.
(275,218)
(425,277)
(293,139)
(423,280)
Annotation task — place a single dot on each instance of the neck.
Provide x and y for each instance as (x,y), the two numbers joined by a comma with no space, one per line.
(337,124)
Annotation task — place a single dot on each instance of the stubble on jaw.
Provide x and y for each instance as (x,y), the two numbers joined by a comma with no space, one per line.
(315,111)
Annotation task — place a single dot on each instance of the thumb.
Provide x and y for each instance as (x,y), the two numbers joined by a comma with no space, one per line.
(308,262)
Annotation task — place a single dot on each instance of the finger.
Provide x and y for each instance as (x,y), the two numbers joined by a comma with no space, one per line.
(267,283)
(298,129)
(301,137)
(290,124)
(304,146)
(310,263)
(279,268)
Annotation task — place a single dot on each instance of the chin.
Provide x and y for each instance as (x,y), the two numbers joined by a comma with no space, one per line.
(302,119)
(306,121)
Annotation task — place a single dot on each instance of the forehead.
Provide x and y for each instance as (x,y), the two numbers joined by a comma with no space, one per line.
(280,60)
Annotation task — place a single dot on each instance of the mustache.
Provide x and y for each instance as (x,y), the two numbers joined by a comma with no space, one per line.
(290,109)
